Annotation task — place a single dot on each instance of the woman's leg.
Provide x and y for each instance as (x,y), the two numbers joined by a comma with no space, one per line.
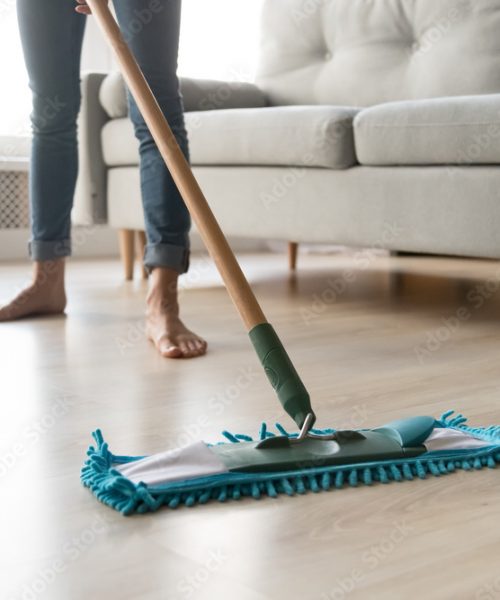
(152,31)
(52,35)
(153,36)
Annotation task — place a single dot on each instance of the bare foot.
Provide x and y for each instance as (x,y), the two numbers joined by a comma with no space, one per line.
(163,325)
(45,296)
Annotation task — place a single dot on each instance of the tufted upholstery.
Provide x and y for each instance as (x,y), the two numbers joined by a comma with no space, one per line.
(365,52)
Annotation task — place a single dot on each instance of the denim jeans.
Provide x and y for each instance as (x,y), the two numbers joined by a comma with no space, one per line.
(52,34)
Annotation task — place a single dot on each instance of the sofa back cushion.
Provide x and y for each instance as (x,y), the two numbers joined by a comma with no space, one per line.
(198,94)
(364,52)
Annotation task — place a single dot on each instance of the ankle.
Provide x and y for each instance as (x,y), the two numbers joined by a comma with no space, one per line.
(162,294)
(155,307)
(49,272)
(164,279)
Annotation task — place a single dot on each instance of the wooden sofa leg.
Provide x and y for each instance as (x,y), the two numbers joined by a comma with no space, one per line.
(126,238)
(292,255)
(141,239)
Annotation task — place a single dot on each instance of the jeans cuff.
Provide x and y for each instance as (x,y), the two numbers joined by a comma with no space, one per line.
(167,255)
(44,250)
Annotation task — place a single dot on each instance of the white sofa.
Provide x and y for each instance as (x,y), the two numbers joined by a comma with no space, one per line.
(371,123)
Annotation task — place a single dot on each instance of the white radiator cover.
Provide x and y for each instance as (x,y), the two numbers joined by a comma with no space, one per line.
(14,200)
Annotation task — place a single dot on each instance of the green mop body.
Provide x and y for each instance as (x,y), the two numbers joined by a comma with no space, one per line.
(274,464)
(279,464)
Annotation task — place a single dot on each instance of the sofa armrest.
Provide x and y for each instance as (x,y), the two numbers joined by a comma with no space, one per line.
(198,94)
(208,94)
(90,204)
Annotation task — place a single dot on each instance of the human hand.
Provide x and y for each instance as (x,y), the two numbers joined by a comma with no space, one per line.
(83,8)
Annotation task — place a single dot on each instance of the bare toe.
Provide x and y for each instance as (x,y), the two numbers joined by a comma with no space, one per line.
(167,348)
(192,346)
(200,347)
(5,313)
(186,350)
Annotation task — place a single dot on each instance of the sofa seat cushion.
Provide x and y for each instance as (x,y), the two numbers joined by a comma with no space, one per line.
(313,136)
(440,131)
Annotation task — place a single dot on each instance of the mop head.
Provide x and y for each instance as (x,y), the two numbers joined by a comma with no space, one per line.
(273,464)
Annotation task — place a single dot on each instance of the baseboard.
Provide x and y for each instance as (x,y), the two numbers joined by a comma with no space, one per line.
(100,241)
(87,242)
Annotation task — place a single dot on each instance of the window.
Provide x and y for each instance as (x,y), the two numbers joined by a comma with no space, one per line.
(15,99)
(218,40)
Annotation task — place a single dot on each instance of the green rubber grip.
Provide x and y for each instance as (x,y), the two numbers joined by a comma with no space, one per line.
(281,373)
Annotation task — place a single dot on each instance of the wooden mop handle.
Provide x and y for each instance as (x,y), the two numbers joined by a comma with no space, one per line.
(210,231)
(273,356)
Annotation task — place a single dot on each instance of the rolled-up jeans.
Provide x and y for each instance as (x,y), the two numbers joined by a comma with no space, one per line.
(52,34)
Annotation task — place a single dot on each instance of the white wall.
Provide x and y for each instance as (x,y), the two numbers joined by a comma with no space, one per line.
(15,97)
(96,55)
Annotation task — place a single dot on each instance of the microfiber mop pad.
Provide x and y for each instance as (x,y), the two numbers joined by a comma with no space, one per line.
(272,465)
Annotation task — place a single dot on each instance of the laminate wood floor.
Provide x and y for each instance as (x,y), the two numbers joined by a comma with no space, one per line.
(375,338)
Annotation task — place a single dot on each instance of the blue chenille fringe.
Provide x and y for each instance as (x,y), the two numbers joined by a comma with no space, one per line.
(118,492)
